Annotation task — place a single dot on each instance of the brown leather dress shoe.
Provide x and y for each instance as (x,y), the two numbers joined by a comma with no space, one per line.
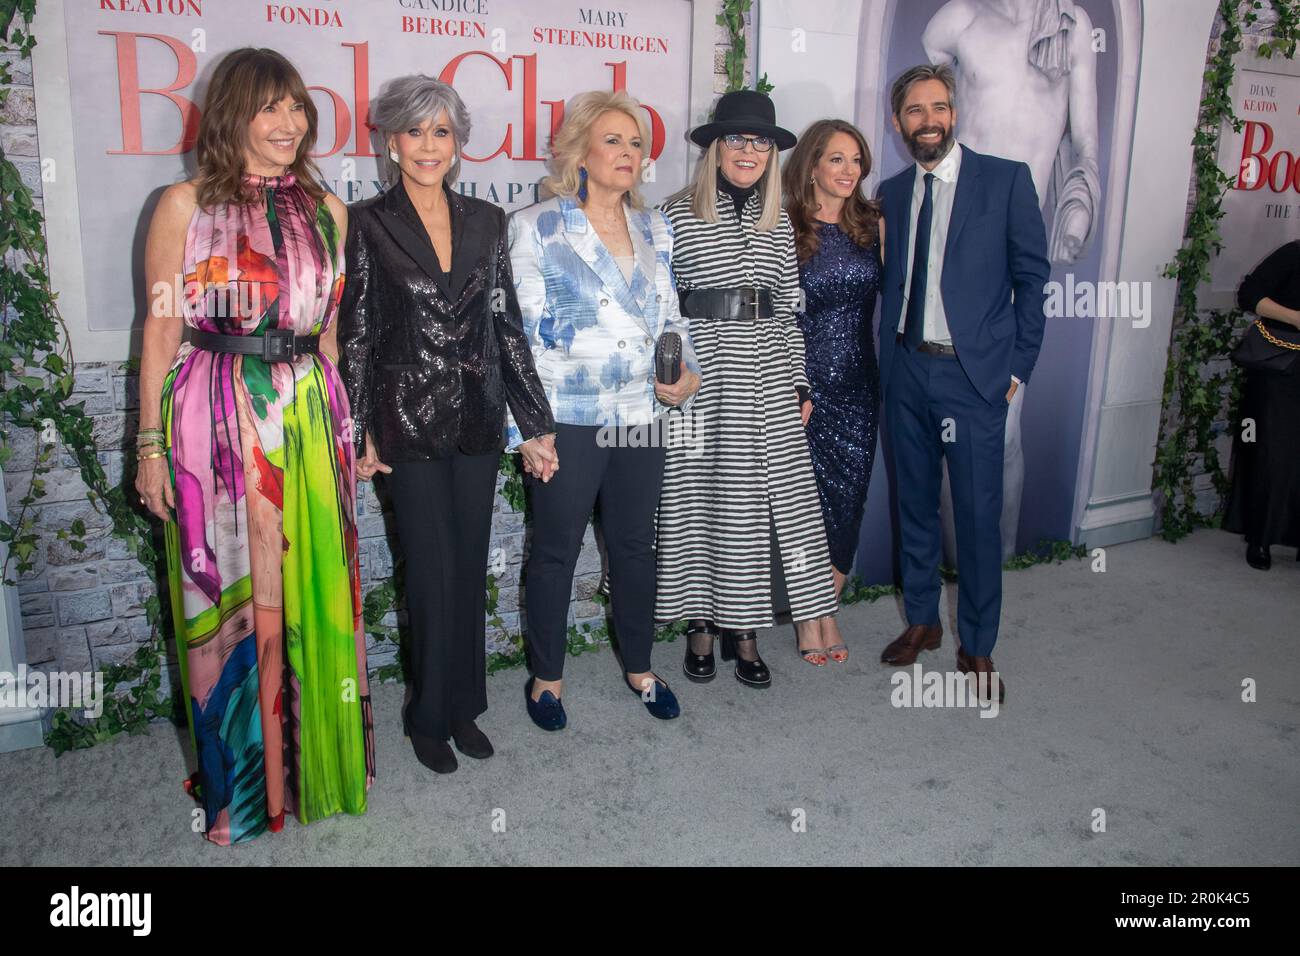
(904,649)
(981,665)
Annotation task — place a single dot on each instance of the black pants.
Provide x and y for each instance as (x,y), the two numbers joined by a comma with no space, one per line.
(626,482)
(443,513)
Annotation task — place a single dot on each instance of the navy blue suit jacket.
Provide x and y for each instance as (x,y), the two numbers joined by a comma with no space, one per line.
(996,245)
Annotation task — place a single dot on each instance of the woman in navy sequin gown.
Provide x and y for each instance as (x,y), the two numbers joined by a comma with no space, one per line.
(839,234)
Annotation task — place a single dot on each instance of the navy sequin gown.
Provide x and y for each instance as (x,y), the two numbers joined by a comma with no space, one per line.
(840,283)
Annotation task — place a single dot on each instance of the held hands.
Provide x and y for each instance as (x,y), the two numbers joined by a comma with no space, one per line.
(369,463)
(680,391)
(541,460)
(155,487)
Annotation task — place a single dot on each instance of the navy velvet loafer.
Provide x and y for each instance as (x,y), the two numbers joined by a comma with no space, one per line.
(547,712)
(661,702)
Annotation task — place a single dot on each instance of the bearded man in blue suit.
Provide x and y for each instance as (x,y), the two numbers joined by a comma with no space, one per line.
(962,297)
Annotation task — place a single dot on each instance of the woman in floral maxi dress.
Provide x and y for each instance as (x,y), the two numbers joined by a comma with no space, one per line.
(262,554)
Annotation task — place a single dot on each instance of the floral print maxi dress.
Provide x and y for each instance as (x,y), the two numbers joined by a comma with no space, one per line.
(262,557)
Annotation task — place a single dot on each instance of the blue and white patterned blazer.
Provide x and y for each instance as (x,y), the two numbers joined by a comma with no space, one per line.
(592,332)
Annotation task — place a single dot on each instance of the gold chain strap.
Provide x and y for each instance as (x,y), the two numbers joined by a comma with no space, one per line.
(1274,340)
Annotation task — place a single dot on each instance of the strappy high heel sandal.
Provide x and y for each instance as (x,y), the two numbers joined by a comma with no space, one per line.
(838,652)
(815,656)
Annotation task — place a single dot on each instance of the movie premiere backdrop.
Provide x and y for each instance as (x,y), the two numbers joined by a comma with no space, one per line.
(1262,209)
(137,71)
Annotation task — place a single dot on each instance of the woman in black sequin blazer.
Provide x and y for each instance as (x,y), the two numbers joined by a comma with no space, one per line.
(432,351)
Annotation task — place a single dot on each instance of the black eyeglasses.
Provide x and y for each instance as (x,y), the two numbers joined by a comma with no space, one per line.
(737,141)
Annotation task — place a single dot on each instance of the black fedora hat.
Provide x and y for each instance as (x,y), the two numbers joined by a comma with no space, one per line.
(744,111)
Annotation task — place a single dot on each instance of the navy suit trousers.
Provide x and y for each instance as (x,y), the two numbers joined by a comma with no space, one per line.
(932,410)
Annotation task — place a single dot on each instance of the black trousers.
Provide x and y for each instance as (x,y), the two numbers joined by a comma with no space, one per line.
(626,482)
(443,513)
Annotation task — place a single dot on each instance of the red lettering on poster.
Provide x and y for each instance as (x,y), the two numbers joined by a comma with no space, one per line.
(658,135)
(129,93)
(448,76)
(361,97)
(352,122)
(1258,168)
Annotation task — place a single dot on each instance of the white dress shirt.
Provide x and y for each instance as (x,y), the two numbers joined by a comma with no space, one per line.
(942,192)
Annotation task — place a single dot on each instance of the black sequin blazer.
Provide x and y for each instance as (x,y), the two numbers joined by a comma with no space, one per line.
(430,359)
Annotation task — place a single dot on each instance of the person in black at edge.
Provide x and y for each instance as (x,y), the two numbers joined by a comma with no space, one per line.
(1264,503)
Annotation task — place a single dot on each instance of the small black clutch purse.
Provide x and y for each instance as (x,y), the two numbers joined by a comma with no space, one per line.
(668,358)
(1261,351)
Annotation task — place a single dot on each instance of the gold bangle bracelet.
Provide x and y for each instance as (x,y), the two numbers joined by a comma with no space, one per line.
(157,454)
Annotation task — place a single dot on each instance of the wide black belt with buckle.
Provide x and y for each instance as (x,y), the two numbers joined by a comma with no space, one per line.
(931,348)
(273,345)
(744,304)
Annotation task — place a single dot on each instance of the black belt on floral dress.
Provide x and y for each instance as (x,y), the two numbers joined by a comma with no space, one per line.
(745,304)
(273,345)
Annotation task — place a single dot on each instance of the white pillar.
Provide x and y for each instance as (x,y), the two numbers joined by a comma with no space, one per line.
(20,727)
(1122,425)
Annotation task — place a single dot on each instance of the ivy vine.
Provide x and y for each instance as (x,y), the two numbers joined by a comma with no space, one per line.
(733,18)
(1194,397)
(37,364)
(37,361)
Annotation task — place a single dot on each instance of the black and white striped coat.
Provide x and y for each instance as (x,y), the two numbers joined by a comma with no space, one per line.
(745,468)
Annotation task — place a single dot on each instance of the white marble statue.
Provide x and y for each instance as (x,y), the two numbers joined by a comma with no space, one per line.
(1026,90)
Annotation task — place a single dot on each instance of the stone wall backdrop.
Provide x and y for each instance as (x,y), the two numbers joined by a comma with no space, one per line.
(83,610)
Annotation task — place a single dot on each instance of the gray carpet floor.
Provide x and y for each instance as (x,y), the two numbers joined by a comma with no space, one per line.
(1124,695)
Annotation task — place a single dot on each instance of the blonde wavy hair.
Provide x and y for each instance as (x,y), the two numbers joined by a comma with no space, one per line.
(703,189)
(572,142)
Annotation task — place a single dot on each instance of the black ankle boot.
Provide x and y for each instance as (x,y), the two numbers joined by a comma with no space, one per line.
(434,754)
(700,667)
(1258,556)
(471,741)
(753,673)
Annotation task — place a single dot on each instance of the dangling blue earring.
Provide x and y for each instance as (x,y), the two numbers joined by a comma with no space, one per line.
(582,184)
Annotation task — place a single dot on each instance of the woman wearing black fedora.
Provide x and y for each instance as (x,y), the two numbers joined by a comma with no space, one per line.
(740,535)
